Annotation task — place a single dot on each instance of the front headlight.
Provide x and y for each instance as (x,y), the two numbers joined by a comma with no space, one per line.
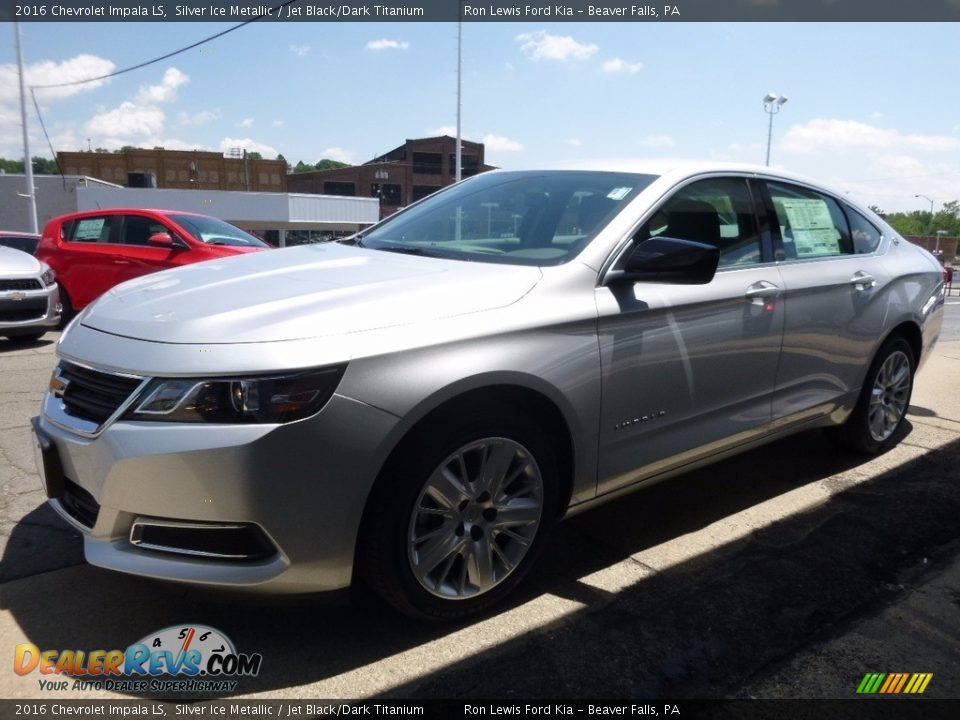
(48,277)
(265,399)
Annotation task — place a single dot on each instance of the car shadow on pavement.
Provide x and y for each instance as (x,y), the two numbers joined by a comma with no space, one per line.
(695,628)
(14,343)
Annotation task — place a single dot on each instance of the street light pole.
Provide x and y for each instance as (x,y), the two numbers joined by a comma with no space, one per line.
(771,105)
(929,224)
(27,160)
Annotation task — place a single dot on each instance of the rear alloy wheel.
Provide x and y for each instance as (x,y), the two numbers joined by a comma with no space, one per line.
(874,424)
(459,516)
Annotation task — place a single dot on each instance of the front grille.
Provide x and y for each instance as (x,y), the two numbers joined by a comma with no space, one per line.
(22,310)
(94,395)
(27,284)
(80,504)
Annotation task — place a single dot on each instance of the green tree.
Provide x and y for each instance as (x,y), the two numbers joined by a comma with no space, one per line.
(301,166)
(254,155)
(327,164)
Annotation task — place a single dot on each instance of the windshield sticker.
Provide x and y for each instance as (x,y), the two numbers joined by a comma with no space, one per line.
(619,193)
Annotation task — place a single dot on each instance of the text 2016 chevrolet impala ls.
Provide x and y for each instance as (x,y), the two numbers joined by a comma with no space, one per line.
(417,408)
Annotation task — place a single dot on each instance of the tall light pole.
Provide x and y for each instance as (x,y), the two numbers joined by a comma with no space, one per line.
(771,105)
(27,160)
(929,224)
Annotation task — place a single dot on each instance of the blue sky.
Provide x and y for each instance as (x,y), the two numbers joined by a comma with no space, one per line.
(872,108)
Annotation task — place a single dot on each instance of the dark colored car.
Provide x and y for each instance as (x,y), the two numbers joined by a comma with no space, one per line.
(94,250)
(23,241)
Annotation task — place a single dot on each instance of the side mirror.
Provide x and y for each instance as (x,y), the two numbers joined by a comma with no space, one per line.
(163,239)
(668,260)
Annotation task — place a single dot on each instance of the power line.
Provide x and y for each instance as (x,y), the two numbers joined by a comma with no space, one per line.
(276,8)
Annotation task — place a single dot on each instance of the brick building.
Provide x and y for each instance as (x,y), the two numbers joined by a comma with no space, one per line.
(177,170)
(402,176)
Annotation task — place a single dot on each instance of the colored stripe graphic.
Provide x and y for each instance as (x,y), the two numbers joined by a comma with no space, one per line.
(894,683)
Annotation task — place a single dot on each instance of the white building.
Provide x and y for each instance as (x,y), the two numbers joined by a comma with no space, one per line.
(272,215)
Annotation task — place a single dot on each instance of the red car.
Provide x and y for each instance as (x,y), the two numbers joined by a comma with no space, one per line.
(94,250)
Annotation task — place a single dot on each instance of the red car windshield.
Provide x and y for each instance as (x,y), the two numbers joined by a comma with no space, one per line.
(216,232)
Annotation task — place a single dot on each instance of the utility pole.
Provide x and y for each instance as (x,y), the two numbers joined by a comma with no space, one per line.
(27,161)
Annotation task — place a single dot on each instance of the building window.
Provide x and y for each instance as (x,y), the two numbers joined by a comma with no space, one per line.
(339,188)
(421,191)
(470,165)
(391,194)
(427,163)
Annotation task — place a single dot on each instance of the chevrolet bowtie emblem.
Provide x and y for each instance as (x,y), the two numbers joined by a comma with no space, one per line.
(58,384)
(16,295)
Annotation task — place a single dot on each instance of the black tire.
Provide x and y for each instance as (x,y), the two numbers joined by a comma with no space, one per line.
(870,429)
(67,313)
(386,549)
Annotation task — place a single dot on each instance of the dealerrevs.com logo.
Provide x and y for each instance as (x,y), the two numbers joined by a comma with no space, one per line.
(180,658)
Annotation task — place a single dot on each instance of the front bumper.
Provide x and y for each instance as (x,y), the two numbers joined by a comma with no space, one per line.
(301,487)
(32,311)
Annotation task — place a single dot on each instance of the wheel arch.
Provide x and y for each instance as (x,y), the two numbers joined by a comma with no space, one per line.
(495,393)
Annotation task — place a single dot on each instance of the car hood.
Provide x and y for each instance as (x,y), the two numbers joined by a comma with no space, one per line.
(302,292)
(16,263)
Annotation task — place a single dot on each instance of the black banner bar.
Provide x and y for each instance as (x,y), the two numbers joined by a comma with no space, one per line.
(901,708)
(482,11)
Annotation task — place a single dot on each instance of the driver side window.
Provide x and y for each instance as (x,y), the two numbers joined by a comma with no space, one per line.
(718,212)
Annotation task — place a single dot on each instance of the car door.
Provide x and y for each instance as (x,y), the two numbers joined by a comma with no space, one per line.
(86,265)
(134,255)
(688,370)
(835,288)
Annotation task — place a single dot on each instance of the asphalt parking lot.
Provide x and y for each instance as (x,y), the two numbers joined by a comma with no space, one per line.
(790,571)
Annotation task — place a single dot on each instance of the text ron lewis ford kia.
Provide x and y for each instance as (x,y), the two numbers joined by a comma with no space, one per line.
(419,407)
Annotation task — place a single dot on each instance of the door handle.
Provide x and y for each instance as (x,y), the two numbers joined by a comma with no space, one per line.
(757,292)
(862,280)
(118,261)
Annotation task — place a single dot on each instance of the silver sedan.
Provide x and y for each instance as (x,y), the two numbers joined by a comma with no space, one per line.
(418,406)
(29,296)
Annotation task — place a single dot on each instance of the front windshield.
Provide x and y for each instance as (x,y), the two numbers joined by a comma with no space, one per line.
(518,218)
(216,232)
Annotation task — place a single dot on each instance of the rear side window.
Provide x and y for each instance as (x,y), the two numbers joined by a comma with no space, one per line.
(866,237)
(812,225)
(94,229)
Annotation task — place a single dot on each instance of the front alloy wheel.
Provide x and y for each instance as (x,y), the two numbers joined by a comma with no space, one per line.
(460,513)
(475,518)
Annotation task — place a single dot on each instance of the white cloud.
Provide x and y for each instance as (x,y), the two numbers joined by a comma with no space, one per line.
(166,91)
(576,142)
(836,135)
(140,121)
(618,66)
(249,145)
(245,123)
(498,143)
(450,130)
(198,118)
(126,121)
(385,44)
(657,141)
(540,45)
(48,72)
(300,50)
(277,123)
(338,154)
